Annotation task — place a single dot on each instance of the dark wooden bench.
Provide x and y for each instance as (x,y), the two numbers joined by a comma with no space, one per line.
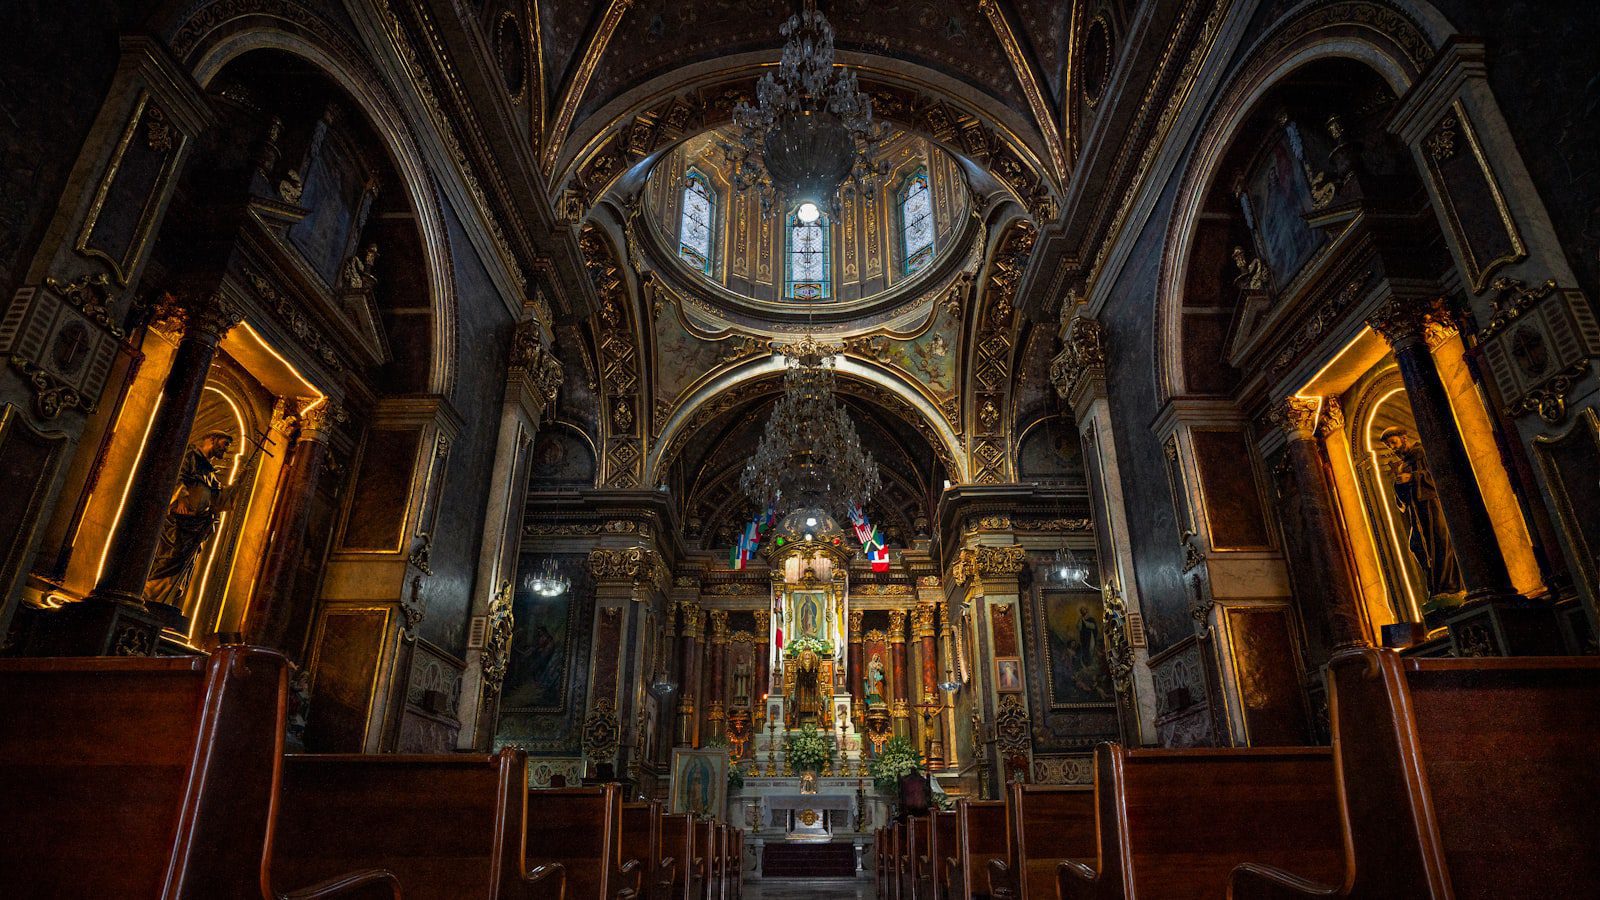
(980,837)
(1458,778)
(708,841)
(580,829)
(146,778)
(687,881)
(448,826)
(1173,824)
(1044,825)
(916,850)
(941,846)
(736,861)
(879,870)
(644,839)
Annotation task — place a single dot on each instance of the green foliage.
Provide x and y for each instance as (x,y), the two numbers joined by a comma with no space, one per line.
(735,777)
(808,749)
(899,757)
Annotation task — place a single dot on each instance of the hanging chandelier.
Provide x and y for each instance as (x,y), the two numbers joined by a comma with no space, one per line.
(810,453)
(811,128)
(548,581)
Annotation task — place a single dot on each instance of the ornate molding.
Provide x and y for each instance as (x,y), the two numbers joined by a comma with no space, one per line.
(1022,67)
(1082,357)
(976,563)
(1320,322)
(495,656)
(1403,321)
(1295,416)
(637,565)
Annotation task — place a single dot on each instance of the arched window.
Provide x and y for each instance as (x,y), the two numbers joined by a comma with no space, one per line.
(694,227)
(807,263)
(916,220)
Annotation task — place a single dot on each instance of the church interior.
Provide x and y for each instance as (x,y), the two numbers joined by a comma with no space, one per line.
(702,449)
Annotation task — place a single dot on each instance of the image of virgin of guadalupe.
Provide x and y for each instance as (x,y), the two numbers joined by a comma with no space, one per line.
(1418,499)
(198,502)
(875,680)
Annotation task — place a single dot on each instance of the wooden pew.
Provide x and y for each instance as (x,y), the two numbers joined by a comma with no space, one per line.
(448,826)
(736,861)
(688,882)
(1044,825)
(914,885)
(580,829)
(878,856)
(1458,778)
(902,853)
(147,778)
(644,839)
(1174,823)
(941,846)
(707,839)
(980,837)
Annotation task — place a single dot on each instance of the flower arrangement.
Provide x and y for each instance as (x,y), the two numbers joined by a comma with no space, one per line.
(807,749)
(800,645)
(898,757)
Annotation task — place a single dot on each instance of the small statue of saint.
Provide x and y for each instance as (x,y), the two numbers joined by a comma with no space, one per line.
(361,272)
(198,501)
(1418,498)
(1252,272)
(741,683)
(875,680)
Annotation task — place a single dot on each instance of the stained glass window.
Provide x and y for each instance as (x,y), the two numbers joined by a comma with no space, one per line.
(916,220)
(808,259)
(694,228)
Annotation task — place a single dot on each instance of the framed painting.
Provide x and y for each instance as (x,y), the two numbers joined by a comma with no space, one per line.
(1075,650)
(536,676)
(1276,196)
(810,614)
(1008,678)
(700,782)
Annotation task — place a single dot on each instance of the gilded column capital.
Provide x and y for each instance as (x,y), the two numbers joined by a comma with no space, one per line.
(763,620)
(988,562)
(719,626)
(691,619)
(856,616)
(897,626)
(1296,417)
(204,314)
(638,565)
(1082,356)
(922,619)
(1405,322)
(1332,417)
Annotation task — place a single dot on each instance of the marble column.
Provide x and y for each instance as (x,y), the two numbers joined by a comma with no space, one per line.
(856,669)
(899,705)
(1404,322)
(202,319)
(690,611)
(716,700)
(922,619)
(271,606)
(1330,562)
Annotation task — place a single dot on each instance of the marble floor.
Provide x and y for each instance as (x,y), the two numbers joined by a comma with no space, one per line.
(805,889)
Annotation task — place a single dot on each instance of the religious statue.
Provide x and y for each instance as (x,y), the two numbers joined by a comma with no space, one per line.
(875,680)
(197,503)
(1418,498)
(1252,272)
(741,683)
(807,699)
(361,272)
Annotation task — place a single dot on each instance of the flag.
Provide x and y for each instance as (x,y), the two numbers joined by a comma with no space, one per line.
(879,557)
(777,619)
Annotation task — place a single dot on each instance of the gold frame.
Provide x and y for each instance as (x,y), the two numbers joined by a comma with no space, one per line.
(1478,272)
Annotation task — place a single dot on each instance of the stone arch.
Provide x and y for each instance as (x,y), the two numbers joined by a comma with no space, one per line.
(1378,36)
(221,32)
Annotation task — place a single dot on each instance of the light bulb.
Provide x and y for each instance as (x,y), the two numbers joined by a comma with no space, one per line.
(808,213)
(811,522)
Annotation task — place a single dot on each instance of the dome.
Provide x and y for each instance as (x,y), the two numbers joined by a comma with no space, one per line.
(869,259)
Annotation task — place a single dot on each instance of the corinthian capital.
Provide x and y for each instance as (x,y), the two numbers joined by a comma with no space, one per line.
(1406,321)
(1296,416)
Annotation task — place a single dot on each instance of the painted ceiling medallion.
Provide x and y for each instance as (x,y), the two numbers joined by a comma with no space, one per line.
(811,128)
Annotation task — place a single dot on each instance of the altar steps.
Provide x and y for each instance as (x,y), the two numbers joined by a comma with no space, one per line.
(808,860)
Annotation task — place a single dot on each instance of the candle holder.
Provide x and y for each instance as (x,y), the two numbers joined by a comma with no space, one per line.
(772,742)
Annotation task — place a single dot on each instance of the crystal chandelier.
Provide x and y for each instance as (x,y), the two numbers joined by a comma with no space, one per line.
(811,128)
(548,581)
(810,453)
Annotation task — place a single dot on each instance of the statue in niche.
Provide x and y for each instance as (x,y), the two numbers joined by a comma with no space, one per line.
(1418,498)
(741,683)
(361,272)
(875,680)
(197,503)
(1252,271)
(807,699)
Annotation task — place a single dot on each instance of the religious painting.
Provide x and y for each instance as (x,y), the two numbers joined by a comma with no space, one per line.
(1275,199)
(682,358)
(337,194)
(810,614)
(1075,649)
(1008,677)
(929,357)
(699,781)
(1049,453)
(536,676)
(562,456)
